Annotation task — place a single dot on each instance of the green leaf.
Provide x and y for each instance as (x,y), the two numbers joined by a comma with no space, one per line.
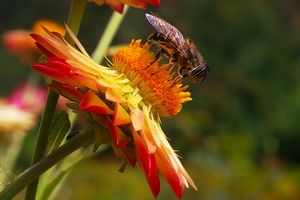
(59,131)
(100,137)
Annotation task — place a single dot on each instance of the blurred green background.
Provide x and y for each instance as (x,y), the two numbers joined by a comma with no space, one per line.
(239,137)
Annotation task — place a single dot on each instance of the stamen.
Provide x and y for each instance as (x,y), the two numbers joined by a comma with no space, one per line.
(157,83)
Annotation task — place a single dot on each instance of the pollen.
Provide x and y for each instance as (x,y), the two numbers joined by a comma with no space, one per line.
(156,82)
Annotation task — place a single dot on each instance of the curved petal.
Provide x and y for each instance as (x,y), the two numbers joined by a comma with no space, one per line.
(138,119)
(92,103)
(67,91)
(121,117)
(118,137)
(173,177)
(147,162)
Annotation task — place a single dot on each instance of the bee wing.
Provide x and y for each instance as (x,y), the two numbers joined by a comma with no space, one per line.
(168,30)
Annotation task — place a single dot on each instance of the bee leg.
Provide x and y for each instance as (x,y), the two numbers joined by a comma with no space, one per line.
(180,72)
(179,77)
(159,53)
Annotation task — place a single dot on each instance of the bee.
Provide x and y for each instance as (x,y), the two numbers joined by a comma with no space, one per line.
(180,51)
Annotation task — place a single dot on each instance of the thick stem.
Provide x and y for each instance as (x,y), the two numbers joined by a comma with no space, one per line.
(42,138)
(108,35)
(32,173)
(74,21)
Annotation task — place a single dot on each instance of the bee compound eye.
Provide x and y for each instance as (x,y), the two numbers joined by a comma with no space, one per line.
(205,66)
(199,73)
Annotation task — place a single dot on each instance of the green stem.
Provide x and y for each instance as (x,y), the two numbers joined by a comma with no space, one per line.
(32,173)
(75,16)
(108,35)
(42,138)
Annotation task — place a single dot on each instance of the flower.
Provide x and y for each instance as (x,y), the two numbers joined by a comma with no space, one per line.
(14,120)
(127,98)
(20,43)
(118,5)
(19,111)
(28,97)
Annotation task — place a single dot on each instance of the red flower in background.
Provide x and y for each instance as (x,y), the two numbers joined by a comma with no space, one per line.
(28,97)
(19,42)
(18,112)
(118,5)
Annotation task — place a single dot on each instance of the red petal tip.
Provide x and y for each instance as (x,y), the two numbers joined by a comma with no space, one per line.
(155,2)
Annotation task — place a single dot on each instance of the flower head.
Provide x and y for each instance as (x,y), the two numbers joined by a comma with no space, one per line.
(127,98)
(28,97)
(118,5)
(14,120)
(19,111)
(20,43)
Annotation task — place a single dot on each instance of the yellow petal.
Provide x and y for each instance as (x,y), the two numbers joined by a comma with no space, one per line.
(138,119)
(114,96)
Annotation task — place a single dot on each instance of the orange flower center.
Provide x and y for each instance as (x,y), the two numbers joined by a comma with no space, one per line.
(156,83)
